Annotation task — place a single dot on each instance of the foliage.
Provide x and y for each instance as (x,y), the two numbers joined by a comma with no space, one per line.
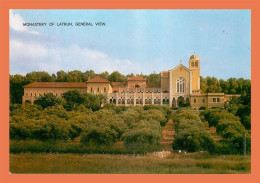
(47,100)
(73,99)
(116,77)
(59,146)
(102,128)
(229,86)
(230,128)
(99,135)
(145,137)
(51,127)
(190,134)
(16,88)
(214,115)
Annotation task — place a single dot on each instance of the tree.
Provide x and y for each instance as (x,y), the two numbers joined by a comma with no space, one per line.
(203,84)
(98,136)
(116,77)
(145,137)
(40,76)
(154,78)
(104,75)
(93,101)
(47,100)
(17,82)
(190,134)
(73,98)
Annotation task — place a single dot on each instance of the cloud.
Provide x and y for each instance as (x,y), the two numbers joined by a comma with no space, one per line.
(32,56)
(16,23)
(32,51)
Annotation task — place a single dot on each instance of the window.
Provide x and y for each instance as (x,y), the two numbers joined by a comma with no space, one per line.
(31,94)
(105,89)
(138,101)
(218,99)
(98,89)
(214,99)
(180,88)
(35,94)
(192,64)
(91,89)
(203,100)
(195,100)
(196,64)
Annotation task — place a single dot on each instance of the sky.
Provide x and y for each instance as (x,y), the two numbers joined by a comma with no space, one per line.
(132,41)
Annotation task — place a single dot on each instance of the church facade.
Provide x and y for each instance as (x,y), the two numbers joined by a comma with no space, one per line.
(179,86)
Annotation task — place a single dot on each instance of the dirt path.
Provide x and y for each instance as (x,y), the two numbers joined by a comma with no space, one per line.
(168,136)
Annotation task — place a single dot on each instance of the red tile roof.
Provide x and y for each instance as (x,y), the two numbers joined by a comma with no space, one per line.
(137,78)
(118,84)
(98,79)
(56,85)
(165,73)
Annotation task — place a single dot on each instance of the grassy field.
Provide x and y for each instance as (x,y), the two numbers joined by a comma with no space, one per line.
(125,164)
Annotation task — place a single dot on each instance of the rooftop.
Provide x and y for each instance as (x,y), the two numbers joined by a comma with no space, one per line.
(137,78)
(56,85)
(98,79)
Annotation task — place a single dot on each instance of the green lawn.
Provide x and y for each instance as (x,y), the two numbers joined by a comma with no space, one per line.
(137,164)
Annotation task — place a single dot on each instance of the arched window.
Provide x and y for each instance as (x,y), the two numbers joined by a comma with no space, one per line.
(180,85)
(196,64)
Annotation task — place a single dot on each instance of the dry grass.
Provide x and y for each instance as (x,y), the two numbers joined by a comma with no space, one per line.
(149,164)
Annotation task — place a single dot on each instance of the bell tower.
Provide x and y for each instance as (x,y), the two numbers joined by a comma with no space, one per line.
(194,66)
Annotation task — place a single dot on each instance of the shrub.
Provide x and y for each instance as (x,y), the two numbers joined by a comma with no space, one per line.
(166,110)
(213,116)
(226,123)
(98,136)
(192,139)
(202,108)
(51,127)
(155,114)
(144,138)
(37,146)
(190,134)
(230,128)
(47,100)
